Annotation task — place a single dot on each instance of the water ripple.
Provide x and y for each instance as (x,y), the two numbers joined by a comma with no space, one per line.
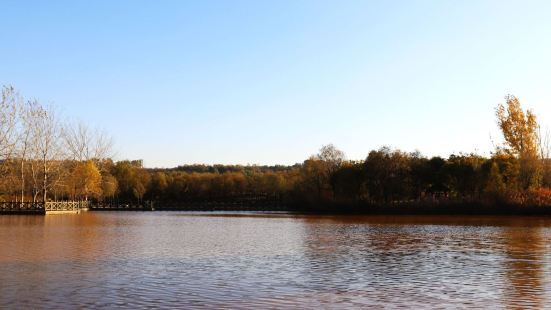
(251,261)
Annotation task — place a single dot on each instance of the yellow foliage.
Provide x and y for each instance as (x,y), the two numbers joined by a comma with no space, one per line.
(519,128)
(87,180)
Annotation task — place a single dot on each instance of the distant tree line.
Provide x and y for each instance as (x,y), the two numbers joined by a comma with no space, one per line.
(518,172)
(44,158)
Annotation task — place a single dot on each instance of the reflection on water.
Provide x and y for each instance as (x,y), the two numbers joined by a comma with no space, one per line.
(525,252)
(246,260)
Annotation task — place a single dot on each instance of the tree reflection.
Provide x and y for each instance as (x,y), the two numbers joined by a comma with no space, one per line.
(449,261)
(525,250)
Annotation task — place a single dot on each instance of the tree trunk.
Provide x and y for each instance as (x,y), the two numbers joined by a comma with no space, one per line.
(22,181)
(44,180)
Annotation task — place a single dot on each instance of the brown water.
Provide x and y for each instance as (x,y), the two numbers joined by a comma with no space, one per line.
(246,260)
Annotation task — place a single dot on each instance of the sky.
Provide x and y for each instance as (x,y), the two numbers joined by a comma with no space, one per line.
(270,82)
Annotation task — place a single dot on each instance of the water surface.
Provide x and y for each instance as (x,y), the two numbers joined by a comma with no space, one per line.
(139,260)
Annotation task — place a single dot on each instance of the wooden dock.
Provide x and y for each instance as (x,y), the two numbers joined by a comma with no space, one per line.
(41,208)
(71,207)
(145,206)
(193,206)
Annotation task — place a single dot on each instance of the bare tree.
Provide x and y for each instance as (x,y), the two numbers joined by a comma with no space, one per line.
(46,140)
(332,156)
(103,145)
(28,113)
(8,122)
(83,144)
(76,138)
(544,143)
(544,147)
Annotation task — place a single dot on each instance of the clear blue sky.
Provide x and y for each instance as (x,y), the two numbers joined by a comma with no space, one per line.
(271,81)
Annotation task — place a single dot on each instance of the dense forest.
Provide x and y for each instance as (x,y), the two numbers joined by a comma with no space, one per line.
(45,158)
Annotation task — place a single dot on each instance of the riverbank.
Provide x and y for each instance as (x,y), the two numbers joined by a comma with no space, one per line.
(459,209)
(449,208)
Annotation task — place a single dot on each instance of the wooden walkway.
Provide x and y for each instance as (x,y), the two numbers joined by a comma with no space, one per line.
(146,206)
(64,207)
(51,207)
(193,206)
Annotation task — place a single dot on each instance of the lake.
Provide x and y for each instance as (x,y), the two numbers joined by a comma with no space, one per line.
(139,260)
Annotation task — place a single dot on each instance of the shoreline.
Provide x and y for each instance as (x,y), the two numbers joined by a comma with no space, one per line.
(448,208)
(460,209)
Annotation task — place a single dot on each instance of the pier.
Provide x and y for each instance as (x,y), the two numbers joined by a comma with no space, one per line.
(68,207)
(144,206)
(47,208)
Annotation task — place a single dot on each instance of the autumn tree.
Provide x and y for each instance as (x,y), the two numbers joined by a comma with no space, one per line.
(388,175)
(347,181)
(520,131)
(141,183)
(463,175)
(519,128)
(330,160)
(133,180)
(314,179)
(495,185)
(159,185)
(86,180)
(109,186)
(274,183)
